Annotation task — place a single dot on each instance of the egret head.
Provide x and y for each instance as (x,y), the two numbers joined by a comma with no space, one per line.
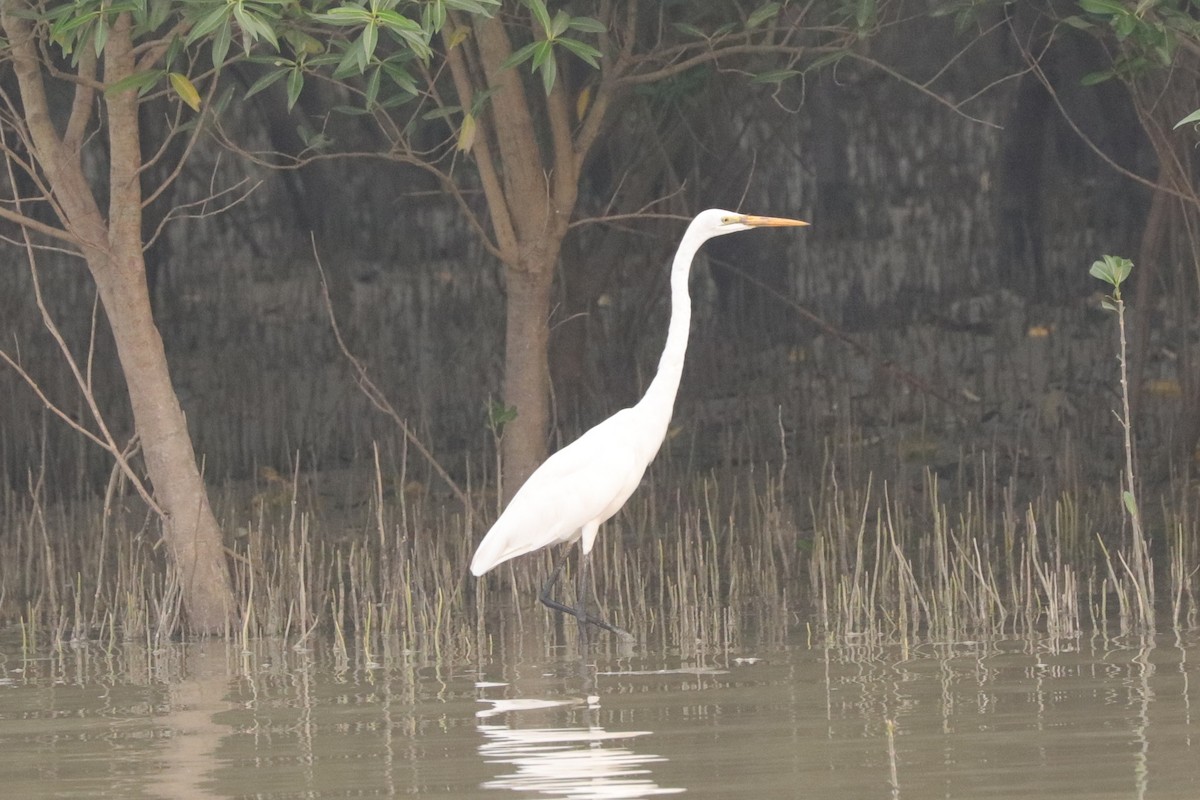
(718,222)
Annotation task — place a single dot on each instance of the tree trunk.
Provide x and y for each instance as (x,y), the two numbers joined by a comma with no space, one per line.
(112,248)
(190,529)
(526,373)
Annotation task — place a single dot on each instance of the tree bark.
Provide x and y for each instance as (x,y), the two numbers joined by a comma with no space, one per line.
(190,530)
(531,188)
(112,249)
(526,373)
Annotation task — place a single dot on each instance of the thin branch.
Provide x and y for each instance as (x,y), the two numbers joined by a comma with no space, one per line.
(181,211)
(378,398)
(1036,67)
(149,53)
(105,438)
(40,227)
(81,105)
(920,87)
(675,68)
(197,128)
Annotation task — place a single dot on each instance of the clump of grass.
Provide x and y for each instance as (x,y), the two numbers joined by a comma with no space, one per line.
(883,570)
(694,564)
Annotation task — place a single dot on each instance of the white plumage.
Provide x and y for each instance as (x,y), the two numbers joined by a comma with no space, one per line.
(584,484)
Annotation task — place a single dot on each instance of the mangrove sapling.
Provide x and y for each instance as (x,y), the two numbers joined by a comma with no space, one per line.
(1113,270)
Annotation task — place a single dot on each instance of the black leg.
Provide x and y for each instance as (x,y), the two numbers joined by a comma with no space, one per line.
(579,613)
(581,600)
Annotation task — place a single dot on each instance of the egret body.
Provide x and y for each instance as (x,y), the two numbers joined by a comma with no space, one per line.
(582,485)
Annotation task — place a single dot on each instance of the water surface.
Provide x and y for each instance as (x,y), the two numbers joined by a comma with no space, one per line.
(1079,718)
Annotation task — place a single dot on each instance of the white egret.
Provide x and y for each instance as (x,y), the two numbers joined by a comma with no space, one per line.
(575,490)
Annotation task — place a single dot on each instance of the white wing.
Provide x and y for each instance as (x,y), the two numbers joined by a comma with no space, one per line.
(586,481)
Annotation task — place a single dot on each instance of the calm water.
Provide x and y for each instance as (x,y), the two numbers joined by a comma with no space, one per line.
(1081,718)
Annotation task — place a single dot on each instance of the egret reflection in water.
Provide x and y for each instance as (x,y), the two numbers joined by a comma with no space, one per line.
(572,762)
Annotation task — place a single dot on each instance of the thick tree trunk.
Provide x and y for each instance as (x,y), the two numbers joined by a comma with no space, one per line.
(526,373)
(530,175)
(190,529)
(112,247)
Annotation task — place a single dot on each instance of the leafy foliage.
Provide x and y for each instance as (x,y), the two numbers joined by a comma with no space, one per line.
(1149,32)
(376,38)
(1113,270)
(542,53)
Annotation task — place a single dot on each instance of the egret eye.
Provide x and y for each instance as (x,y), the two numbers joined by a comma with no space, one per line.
(728,220)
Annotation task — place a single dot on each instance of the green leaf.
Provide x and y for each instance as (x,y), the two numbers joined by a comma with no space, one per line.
(864,12)
(349,63)
(345,16)
(209,23)
(587,25)
(1107,8)
(68,25)
(1113,270)
(482,7)
(522,55)
(761,14)
(825,60)
(583,50)
(433,16)
(101,36)
(549,73)
(559,26)
(159,11)
(295,85)
(480,98)
(1092,78)
(400,76)
(441,113)
(247,23)
(359,50)
(398,23)
(538,7)
(302,43)
(372,91)
(498,414)
(173,51)
(775,76)
(220,46)
(396,100)
(265,81)
(407,32)
(1078,22)
(139,80)
(218,106)
(543,52)
(1130,503)
(1192,117)
(688,29)
(370,36)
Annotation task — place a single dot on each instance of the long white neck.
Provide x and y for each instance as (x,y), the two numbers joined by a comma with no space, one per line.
(659,402)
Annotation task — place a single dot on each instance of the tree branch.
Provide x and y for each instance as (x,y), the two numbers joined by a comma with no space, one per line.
(506,238)
(78,212)
(379,400)
(38,226)
(81,106)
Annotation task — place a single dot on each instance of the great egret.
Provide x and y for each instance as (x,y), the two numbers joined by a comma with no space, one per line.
(575,490)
